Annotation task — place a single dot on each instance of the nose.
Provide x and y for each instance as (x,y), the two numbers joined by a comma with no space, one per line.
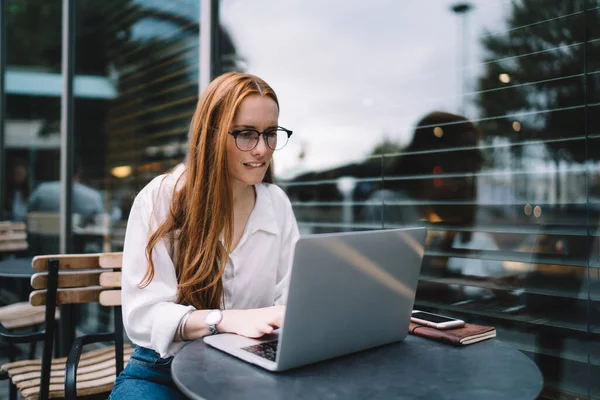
(261,148)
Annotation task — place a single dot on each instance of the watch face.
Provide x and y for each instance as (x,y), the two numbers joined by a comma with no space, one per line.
(213,318)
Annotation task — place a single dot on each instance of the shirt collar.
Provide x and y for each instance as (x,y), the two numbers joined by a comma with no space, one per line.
(263,216)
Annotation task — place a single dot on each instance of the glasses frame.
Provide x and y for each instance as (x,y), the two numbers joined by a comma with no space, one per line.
(235,133)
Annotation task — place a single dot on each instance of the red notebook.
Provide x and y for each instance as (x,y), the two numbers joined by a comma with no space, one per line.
(468,334)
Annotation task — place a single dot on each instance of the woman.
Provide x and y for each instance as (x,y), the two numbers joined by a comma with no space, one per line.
(209,245)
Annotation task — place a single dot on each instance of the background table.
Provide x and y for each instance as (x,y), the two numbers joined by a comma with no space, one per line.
(415,368)
(21,270)
(16,268)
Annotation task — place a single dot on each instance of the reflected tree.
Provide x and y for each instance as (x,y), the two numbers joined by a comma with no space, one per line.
(537,78)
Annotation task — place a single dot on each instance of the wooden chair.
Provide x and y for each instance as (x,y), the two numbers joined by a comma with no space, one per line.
(68,280)
(19,315)
(13,237)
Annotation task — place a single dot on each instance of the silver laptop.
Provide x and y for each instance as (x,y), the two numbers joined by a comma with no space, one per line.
(348,292)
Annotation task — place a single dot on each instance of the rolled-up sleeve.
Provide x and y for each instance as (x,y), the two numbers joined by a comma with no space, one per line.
(290,235)
(150,314)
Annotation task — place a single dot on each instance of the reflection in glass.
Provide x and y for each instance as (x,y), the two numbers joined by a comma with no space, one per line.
(513,211)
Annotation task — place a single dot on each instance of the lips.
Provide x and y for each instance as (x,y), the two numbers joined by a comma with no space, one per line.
(254,164)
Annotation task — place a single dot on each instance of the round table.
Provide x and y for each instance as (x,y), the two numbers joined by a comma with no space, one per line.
(16,268)
(409,369)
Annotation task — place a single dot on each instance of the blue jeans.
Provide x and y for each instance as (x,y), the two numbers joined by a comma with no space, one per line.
(147,377)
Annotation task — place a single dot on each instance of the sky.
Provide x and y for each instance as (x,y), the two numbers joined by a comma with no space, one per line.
(349,73)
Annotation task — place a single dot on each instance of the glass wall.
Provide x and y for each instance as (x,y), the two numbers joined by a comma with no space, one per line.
(135,89)
(141,57)
(32,126)
(136,84)
(476,119)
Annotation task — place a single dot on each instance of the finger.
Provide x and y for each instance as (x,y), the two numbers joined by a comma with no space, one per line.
(266,329)
(277,321)
(255,333)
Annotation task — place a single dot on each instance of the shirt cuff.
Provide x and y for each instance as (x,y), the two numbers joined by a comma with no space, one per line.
(168,317)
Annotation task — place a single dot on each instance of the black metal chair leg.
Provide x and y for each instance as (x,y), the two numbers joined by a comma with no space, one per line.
(56,339)
(11,352)
(32,349)
(12,390)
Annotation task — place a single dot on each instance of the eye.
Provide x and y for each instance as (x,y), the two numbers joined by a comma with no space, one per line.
(246,134)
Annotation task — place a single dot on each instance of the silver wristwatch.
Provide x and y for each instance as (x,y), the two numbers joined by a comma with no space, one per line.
(213,319)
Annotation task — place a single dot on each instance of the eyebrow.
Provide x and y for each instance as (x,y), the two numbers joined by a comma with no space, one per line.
(253,127)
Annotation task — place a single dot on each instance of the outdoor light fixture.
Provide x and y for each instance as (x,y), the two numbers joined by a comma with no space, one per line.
(122,171)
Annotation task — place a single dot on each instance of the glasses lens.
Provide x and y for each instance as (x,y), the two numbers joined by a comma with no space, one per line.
(246,140)
(277,139)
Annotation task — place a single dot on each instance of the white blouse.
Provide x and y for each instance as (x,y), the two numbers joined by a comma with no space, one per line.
(256,274)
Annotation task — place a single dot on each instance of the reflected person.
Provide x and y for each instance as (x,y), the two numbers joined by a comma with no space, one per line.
(17,191)
(87,202)
(433,181)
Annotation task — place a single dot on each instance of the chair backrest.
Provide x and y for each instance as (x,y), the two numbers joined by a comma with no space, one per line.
(82,278)
(43,222)
(13,236)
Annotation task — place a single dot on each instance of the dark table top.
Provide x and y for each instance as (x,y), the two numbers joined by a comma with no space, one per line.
(16,268)
(415,368)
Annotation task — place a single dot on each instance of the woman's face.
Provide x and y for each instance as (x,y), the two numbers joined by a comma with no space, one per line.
(249,167)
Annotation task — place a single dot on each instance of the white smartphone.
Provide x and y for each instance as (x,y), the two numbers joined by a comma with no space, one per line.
(435,320)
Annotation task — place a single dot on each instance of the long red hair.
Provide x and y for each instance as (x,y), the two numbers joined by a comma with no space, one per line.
(202,209)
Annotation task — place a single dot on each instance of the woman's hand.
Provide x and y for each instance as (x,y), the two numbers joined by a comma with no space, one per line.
(252,323)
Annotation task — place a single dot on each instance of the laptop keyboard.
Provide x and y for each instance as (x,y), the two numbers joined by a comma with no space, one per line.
(266,350)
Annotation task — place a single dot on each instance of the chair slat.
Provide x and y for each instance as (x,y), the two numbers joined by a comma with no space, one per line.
(12,226)
(13,246)
(8,311)
(111,260)
(86,358)
(58,370)
(29,320)
(70,279)
(92,376)
(68,261)
(110,280)
(103,385)
(12,236)
(109,298)
(67,296)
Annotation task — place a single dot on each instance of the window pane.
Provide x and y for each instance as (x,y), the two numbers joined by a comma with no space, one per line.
(136,89)
(484,122)
(33,90)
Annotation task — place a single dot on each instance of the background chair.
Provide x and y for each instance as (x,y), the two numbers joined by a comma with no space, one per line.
(64,281)
(13,237)
(16,315)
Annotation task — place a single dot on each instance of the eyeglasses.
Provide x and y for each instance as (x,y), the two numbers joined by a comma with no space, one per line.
(247,139)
